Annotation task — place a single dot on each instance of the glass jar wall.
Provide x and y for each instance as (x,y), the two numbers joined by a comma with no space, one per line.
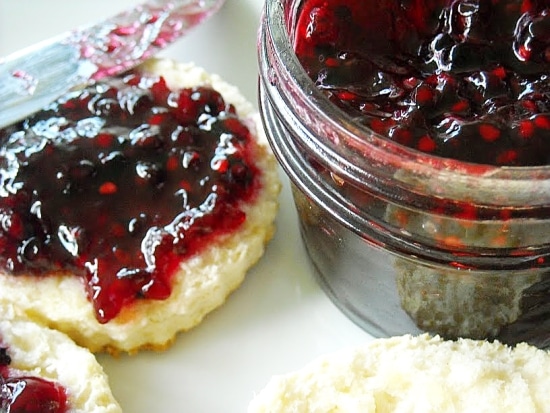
(404,241)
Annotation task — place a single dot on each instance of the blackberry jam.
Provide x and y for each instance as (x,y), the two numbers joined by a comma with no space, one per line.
(416,138)
(462,79)
(120,181)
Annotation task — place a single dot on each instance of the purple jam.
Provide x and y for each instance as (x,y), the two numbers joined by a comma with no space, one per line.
(463,79)
(25,394)
(120,181)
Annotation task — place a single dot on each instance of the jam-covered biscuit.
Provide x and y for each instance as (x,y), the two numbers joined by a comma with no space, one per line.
(42,370)
(137,204)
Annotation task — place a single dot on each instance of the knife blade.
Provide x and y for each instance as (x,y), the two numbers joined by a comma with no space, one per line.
(32,78)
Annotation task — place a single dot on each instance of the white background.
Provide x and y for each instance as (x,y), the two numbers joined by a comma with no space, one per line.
(279,319)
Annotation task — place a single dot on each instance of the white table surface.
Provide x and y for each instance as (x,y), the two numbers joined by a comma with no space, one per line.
(279,319)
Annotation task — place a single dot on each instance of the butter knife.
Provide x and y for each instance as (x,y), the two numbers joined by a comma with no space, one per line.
(32,78)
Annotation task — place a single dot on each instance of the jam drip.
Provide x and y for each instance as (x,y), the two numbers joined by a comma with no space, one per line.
(462,79)
(119,182)
(25,394)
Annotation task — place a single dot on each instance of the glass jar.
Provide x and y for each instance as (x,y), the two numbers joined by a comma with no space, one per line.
(400,240)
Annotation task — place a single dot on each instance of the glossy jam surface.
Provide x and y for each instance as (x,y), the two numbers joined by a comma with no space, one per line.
(119,182)
(25,394)
(463,79)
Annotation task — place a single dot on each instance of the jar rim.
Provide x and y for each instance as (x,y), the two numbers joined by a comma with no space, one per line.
(353,149)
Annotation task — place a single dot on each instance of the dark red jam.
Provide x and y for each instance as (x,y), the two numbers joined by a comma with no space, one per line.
(26,394)
(119,182)
(462,79)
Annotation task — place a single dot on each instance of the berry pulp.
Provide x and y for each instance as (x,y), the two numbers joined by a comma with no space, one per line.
(462,79)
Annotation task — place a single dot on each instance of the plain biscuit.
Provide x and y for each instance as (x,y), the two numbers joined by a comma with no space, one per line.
(413,374)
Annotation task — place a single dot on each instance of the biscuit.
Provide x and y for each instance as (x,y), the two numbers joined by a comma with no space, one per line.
(414,374)
(203,281)
(43,353)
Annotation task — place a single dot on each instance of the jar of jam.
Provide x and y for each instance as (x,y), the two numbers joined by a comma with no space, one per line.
(416,137)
